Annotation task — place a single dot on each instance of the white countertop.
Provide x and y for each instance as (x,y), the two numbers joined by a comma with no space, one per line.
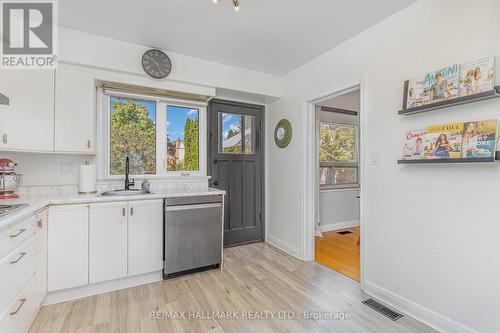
(39,202)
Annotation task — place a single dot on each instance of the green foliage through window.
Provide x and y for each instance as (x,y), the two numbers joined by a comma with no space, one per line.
(133,134)
(337,143)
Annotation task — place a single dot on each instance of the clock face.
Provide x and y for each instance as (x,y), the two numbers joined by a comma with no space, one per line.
(156,63)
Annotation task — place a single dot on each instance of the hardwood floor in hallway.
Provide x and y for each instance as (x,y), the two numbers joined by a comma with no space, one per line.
(340,252)
(256,278)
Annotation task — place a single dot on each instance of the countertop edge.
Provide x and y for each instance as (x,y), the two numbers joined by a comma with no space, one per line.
(39,203)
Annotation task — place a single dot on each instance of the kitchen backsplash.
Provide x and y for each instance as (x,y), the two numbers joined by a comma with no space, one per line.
(156,186)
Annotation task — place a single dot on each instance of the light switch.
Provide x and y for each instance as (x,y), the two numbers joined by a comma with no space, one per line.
(67,168)
(375,158)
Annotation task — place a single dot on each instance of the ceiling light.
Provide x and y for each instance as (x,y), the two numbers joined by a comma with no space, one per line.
(236,4)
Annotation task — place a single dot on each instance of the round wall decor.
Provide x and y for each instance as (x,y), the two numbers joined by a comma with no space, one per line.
(283,133)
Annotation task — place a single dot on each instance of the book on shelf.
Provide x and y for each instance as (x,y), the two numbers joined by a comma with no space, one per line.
(479,139)
(472,139)
(477,76)
(414,94)
(443,141)
(441,85)
(413,147)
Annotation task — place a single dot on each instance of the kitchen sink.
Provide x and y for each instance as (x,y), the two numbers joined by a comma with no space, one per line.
(8,209)
(124,192)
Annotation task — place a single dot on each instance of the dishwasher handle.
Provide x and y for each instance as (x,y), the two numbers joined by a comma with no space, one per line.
(191,207)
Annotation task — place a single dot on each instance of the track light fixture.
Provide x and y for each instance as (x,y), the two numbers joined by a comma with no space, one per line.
(236,4)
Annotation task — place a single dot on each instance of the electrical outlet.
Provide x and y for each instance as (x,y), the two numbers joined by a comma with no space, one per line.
(67,168)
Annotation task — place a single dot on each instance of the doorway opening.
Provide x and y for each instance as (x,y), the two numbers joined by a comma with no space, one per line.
(334,132)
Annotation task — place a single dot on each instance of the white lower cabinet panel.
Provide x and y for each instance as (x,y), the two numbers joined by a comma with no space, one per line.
(68,246)
(20,313)
(108,241)
(145,236)
(16,269)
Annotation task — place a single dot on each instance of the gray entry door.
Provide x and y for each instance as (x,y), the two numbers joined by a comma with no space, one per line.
(235,164)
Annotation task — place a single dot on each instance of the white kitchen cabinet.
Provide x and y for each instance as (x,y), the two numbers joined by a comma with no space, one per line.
(42,220)
(108,241)
(74,110)
(145,236)
(68,246)
(27,124)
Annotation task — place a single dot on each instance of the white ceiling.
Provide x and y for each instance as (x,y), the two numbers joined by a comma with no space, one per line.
(270,36)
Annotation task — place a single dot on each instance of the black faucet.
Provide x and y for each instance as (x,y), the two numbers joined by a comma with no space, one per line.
(127,170)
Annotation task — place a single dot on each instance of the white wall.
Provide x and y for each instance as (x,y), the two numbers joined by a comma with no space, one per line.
(431,231)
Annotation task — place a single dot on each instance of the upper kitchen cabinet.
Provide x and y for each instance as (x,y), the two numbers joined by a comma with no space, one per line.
(74,111)
(27,123)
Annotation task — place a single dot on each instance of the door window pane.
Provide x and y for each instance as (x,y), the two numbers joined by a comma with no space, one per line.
(132,134)
(249,134)
(231,133)
(183,138)
(230,136)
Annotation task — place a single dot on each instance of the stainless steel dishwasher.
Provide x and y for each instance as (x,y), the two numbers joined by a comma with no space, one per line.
(192,235)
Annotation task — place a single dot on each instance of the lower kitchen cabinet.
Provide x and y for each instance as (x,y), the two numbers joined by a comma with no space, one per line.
(145,236)
(68,246)
(42,220)
(91,243)
(108,241)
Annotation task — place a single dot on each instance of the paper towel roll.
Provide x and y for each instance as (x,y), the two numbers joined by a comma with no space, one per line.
(88,177)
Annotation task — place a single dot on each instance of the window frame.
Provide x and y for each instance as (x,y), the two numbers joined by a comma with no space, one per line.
(104,135)
(341,164)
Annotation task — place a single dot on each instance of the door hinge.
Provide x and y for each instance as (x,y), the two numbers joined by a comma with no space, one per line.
(260,217)
(260,125)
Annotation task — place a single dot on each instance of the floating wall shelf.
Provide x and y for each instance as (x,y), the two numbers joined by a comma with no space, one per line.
(487,95)
(452,160)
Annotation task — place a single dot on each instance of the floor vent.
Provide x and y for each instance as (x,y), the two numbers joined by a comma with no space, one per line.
(344,232)
(382,309)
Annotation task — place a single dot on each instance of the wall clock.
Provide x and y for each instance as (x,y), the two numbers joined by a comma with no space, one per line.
(283,133)
(156,63)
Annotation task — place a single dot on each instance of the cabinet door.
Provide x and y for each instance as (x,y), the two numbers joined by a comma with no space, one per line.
(74,110)
(68,247)
(28,122)
(108,241)
(41,240)
(145,236)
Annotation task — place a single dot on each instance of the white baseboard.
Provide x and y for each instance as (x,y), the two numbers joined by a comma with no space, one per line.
(339,225)
(280,245)
(416,311)
(101,287)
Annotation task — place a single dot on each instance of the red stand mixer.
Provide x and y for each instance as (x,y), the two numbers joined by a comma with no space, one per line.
(9,180)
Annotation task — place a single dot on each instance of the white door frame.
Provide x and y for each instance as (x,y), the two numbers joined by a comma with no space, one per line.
(309,172)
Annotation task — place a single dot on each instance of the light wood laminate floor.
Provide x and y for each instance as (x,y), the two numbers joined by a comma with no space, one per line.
(339,252)
(256,277)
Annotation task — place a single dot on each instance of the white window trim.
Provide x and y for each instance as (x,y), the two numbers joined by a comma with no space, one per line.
(103,137)
(338,164)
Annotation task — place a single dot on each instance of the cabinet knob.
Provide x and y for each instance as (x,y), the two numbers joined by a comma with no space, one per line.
(5,138)
(131,210)
(89,144)
(123,211)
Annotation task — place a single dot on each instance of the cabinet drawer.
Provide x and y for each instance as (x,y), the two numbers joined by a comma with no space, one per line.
(21,311)
(16,235)
(16,269)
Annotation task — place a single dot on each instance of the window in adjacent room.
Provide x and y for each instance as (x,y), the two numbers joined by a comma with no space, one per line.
(338,155)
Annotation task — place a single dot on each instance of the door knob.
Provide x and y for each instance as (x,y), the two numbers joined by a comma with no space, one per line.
(215,161)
